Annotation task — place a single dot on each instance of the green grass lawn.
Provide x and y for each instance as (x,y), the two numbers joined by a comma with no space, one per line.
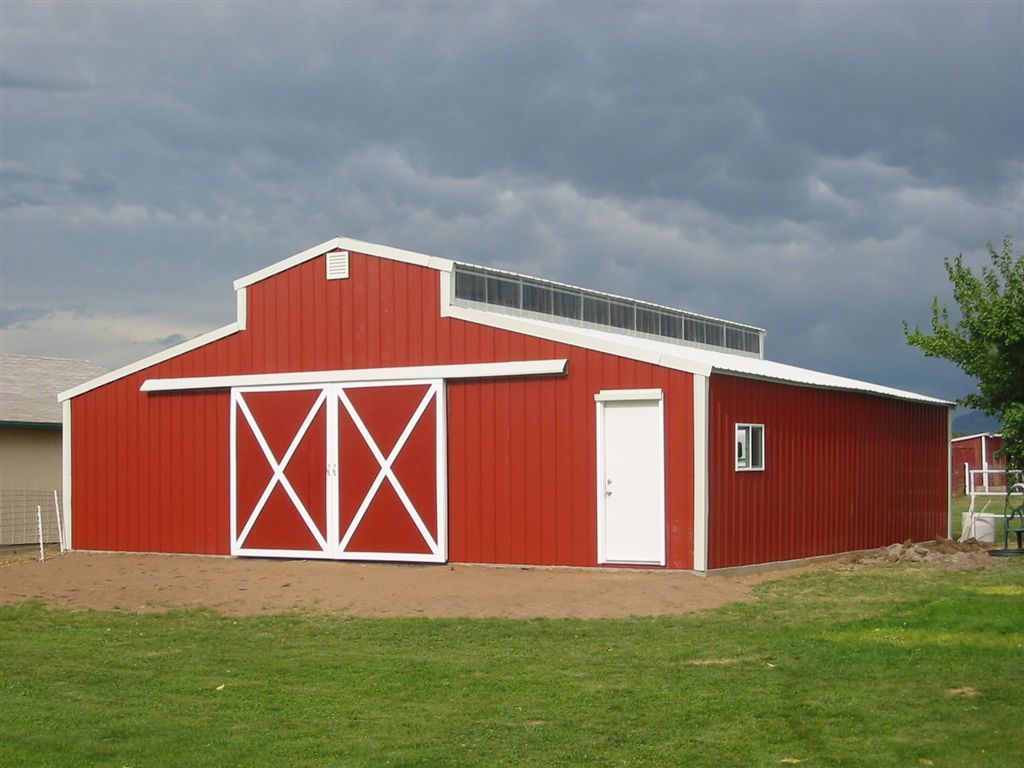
(877,666)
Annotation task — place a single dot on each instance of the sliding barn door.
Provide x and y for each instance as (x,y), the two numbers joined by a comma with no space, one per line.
(279,458)
(343,471)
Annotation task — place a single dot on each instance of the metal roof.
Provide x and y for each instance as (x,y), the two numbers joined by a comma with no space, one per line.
(29,386)
(723,362)
(979,434)
(625,344)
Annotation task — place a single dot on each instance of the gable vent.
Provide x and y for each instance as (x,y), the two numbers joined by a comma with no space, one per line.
(337,265)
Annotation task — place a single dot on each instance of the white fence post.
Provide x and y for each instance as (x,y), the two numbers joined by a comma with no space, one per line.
(39,524)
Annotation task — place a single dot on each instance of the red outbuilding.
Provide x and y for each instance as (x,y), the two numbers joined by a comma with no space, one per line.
(371,403)
(977,454)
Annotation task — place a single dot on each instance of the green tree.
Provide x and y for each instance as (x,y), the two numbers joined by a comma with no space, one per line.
(987,342)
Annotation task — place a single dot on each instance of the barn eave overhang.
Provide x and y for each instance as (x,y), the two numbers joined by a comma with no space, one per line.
(852,386)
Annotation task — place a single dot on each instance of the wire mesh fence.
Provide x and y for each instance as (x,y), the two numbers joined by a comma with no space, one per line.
(20,513)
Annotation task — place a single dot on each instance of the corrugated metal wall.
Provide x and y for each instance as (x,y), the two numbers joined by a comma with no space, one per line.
(843,471)
(151,470)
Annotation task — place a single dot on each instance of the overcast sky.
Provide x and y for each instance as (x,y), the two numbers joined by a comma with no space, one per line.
(800,167)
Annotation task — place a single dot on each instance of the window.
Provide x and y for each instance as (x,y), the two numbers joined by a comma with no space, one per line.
(469,285)
(749,447)
(596,310)
(537,298)
(504,293)
(524,294)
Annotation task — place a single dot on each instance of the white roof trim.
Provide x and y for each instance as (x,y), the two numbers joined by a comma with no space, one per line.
(574,337)
(702,362)
(460,371)
(146,362)
(346,244)
(972,437)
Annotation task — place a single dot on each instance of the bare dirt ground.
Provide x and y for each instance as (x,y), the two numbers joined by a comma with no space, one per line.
(142,583)
(147,583)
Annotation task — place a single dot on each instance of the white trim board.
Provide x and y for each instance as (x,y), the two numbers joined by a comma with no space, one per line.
(612,395)
(464,371)
(65,452)
(700,473)
(949,474)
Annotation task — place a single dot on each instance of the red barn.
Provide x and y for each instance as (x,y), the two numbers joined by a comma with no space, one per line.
(977,452)
(371,403)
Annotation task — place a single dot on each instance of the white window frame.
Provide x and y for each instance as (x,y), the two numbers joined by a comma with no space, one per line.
(743,441)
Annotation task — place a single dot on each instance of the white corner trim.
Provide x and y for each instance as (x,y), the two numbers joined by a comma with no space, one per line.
(599,465)
(949,474)
(242,308)
(611,395)
(65,469)
(146,362)
(700,473)
(446,291)
(462,371)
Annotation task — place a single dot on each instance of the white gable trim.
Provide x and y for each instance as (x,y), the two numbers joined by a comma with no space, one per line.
(241,303)
(146,362)
(346,244)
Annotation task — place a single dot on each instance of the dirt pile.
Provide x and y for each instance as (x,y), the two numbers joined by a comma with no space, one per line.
(964,555)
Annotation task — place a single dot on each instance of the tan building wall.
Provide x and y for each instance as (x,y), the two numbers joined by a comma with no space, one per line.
(30,459)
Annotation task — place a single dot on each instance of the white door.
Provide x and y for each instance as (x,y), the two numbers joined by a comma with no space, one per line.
(631,477)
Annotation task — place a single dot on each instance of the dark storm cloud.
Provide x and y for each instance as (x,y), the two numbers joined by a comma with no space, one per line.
(802,167)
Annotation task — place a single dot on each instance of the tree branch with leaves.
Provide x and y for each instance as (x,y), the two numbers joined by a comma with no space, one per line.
(987,342)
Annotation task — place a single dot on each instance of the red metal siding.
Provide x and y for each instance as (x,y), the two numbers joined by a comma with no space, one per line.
(150,471)
(843,471)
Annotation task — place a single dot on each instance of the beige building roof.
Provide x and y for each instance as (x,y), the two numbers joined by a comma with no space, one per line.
(29,386)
